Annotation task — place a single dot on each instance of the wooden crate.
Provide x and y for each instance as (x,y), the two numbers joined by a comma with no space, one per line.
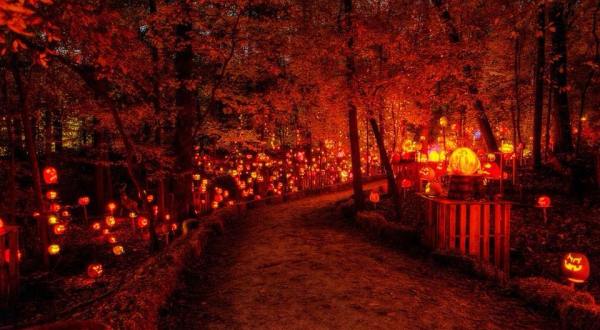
(480,229)
(9,265)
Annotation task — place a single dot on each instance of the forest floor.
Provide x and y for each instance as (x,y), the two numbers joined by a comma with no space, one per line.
(299,265)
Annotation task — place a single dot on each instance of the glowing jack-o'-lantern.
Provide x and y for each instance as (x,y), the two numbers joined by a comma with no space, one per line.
(118,250)
(543,202)
(427,173)
(110,221)
(112,206)
(491,170)
(50,175)
(443,121)
(406,183)
(53,249)
(463,161)
(83,201)
(95,270)
(506,148)
(374,197)
(96,226)
(51,195)
(576,267)
(52,220)
(59,229)
(142,222)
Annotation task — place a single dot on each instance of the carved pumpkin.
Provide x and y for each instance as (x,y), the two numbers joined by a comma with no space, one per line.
(406,183)
(95,270)
(491,170)
(53,249)
(543,202)
(427,173)
(142,222)
(443,121)
(374,197)
(59,229)
(83,200)
(51,195)
(576,267)
(463,161)
(50,175)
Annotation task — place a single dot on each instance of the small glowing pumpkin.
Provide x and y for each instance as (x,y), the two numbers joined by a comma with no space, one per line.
(374,197)
(95,270)
(50,175)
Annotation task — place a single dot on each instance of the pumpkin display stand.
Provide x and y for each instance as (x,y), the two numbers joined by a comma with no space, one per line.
(465,187)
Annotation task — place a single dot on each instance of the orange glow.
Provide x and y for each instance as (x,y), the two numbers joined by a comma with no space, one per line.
(142,222)
(52,220)
(95,270)
(83,201)
(374,197)
(111,206)
(118,250)
(150,198)
(50,175)
(51,195)
(110,221)
(463,161)
(576,267)
(96,226)
(59,229)
(53,249)
(544,201)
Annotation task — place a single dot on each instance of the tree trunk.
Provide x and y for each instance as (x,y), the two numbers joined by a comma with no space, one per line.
(539,86)
(517,118)
(42,223)
(548,124)
(485,127)
(12,167)
(352,112)
(184,139)
(558,71)
(385,161)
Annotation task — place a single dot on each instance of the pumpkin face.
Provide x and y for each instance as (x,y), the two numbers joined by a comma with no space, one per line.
(463,161)
(576,267)
(95,270)
(50,175)
(427,173)
(433,189)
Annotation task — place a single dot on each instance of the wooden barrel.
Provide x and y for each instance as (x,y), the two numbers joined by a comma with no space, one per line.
(464,187)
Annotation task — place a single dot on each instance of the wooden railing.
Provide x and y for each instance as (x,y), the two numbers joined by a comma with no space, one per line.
(480,229)
(9,265)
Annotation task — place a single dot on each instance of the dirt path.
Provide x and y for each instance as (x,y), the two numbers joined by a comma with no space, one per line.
(295,265)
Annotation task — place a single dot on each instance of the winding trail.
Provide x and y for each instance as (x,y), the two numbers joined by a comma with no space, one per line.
(297,266)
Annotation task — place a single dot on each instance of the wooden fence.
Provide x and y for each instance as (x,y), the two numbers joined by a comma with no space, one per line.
(9,265)
(480,229)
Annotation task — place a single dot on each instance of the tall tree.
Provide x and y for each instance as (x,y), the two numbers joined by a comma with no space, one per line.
(348,31)
(558,73)
(539,84)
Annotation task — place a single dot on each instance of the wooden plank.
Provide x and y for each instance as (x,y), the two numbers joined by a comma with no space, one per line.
(506,240)
(441,242)
(474,229)
(452,228)
(497,234)
(486,233)
(429,219)
(463,229)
